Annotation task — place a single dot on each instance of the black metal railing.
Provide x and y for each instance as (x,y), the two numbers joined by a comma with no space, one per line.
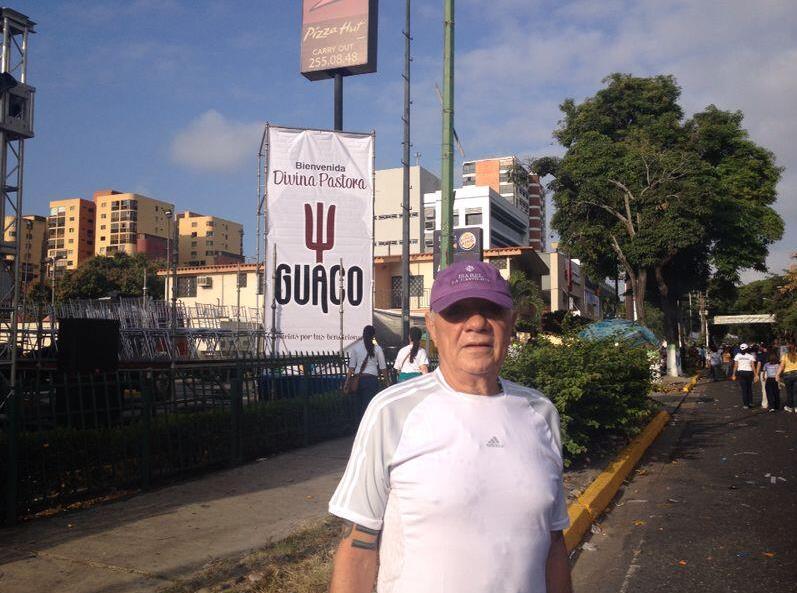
(67,436)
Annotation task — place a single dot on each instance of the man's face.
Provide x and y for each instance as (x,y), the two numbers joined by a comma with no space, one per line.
(472,336)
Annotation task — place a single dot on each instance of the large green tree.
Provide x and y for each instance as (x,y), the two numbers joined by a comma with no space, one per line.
(120,275)
(666,201)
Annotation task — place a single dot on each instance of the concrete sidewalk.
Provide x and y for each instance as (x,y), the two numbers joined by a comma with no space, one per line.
(155,538)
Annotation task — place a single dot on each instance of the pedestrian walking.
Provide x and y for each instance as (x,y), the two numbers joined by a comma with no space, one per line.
(770,374)
(367,360)
(714,362)
(787,372)
(745,368)
(727,361)
(454,484)
(762,356)
(412,359)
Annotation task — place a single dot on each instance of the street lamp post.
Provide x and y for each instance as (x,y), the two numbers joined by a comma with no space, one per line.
(171,252)
(52,259)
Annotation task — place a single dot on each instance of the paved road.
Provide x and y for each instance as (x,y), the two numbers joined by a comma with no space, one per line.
(712,508)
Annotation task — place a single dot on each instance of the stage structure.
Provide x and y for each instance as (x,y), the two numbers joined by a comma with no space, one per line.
(317,202)
(16,126)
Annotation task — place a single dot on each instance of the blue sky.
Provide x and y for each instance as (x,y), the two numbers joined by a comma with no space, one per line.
(168,98)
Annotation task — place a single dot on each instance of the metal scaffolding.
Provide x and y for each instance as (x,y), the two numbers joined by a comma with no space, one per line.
(200,331)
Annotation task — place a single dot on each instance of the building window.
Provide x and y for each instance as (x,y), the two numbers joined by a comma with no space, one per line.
(416,290)
(103,215)
(242,280)
(102,227)
(186,286)
(468,168)
(468,181)
(193,225)
(260,284)
(428,219)
(193,234)
(473,216)
(193,243)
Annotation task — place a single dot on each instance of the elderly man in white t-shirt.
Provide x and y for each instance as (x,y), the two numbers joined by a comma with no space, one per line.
(454,484)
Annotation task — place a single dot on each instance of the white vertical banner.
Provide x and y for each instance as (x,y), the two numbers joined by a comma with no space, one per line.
(319,201)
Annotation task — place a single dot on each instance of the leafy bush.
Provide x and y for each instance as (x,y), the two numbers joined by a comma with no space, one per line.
(599,387)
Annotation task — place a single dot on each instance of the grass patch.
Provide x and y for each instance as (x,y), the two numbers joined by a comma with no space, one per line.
(300,563)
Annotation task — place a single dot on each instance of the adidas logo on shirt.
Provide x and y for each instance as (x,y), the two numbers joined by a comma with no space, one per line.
(494,442)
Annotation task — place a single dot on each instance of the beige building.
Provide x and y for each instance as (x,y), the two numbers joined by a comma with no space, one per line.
(131,223)
(31,247)
(70,233)
(208,240)
(216,285)
(567,288)
(389,194)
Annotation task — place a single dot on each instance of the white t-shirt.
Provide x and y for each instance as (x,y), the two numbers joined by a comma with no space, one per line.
(716,358)
(358,353)
(745,362)
(465,488)
(411,366)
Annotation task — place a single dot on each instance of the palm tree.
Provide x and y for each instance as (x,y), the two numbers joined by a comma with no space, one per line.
(527,299)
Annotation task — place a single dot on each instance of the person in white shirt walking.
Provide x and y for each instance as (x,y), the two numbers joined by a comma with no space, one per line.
(454,484)
(367,360)
(412,360)
(745,371)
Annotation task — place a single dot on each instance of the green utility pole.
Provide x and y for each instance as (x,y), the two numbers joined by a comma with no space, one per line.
(447,173)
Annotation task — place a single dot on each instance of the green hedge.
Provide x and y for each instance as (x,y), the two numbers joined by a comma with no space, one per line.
(66,464)
(599,387)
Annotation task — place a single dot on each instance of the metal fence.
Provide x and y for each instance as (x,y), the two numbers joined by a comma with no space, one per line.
(67,436)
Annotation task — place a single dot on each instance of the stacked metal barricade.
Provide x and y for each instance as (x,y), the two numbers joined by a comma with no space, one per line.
(154,330)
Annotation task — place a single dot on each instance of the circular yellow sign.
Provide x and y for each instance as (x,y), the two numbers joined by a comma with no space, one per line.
(467,241)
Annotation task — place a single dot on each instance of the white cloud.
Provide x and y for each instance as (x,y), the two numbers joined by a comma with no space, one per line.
(214,143)
(732,53)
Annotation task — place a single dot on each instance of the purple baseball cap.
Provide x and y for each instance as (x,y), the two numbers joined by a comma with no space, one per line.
(469,280)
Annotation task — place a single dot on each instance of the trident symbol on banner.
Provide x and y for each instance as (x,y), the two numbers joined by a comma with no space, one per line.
(319,245)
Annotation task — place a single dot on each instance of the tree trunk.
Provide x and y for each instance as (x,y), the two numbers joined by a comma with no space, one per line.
(670,310)
(635,306)
(639,295)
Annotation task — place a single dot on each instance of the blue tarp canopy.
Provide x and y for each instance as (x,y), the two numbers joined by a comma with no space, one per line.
(620,329)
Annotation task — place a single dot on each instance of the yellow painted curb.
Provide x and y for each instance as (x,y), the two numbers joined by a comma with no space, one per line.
(691,385)
(600,493)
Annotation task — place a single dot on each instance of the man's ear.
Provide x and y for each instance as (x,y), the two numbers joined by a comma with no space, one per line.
(430,327)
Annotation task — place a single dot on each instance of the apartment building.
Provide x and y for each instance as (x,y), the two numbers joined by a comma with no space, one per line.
(208,240)
(513,181)
(70,233)
(131,223)
(502,223)
(31,247)
(388,218)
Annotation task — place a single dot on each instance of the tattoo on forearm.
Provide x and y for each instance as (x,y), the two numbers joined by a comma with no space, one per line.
(369,539)
(356,543)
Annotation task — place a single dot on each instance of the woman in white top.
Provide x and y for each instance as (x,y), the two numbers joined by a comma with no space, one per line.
(367,360)
(745,370)
(412,360)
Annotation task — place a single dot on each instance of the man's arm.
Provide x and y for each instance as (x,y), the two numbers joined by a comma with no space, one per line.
(356,561)
(557,567)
